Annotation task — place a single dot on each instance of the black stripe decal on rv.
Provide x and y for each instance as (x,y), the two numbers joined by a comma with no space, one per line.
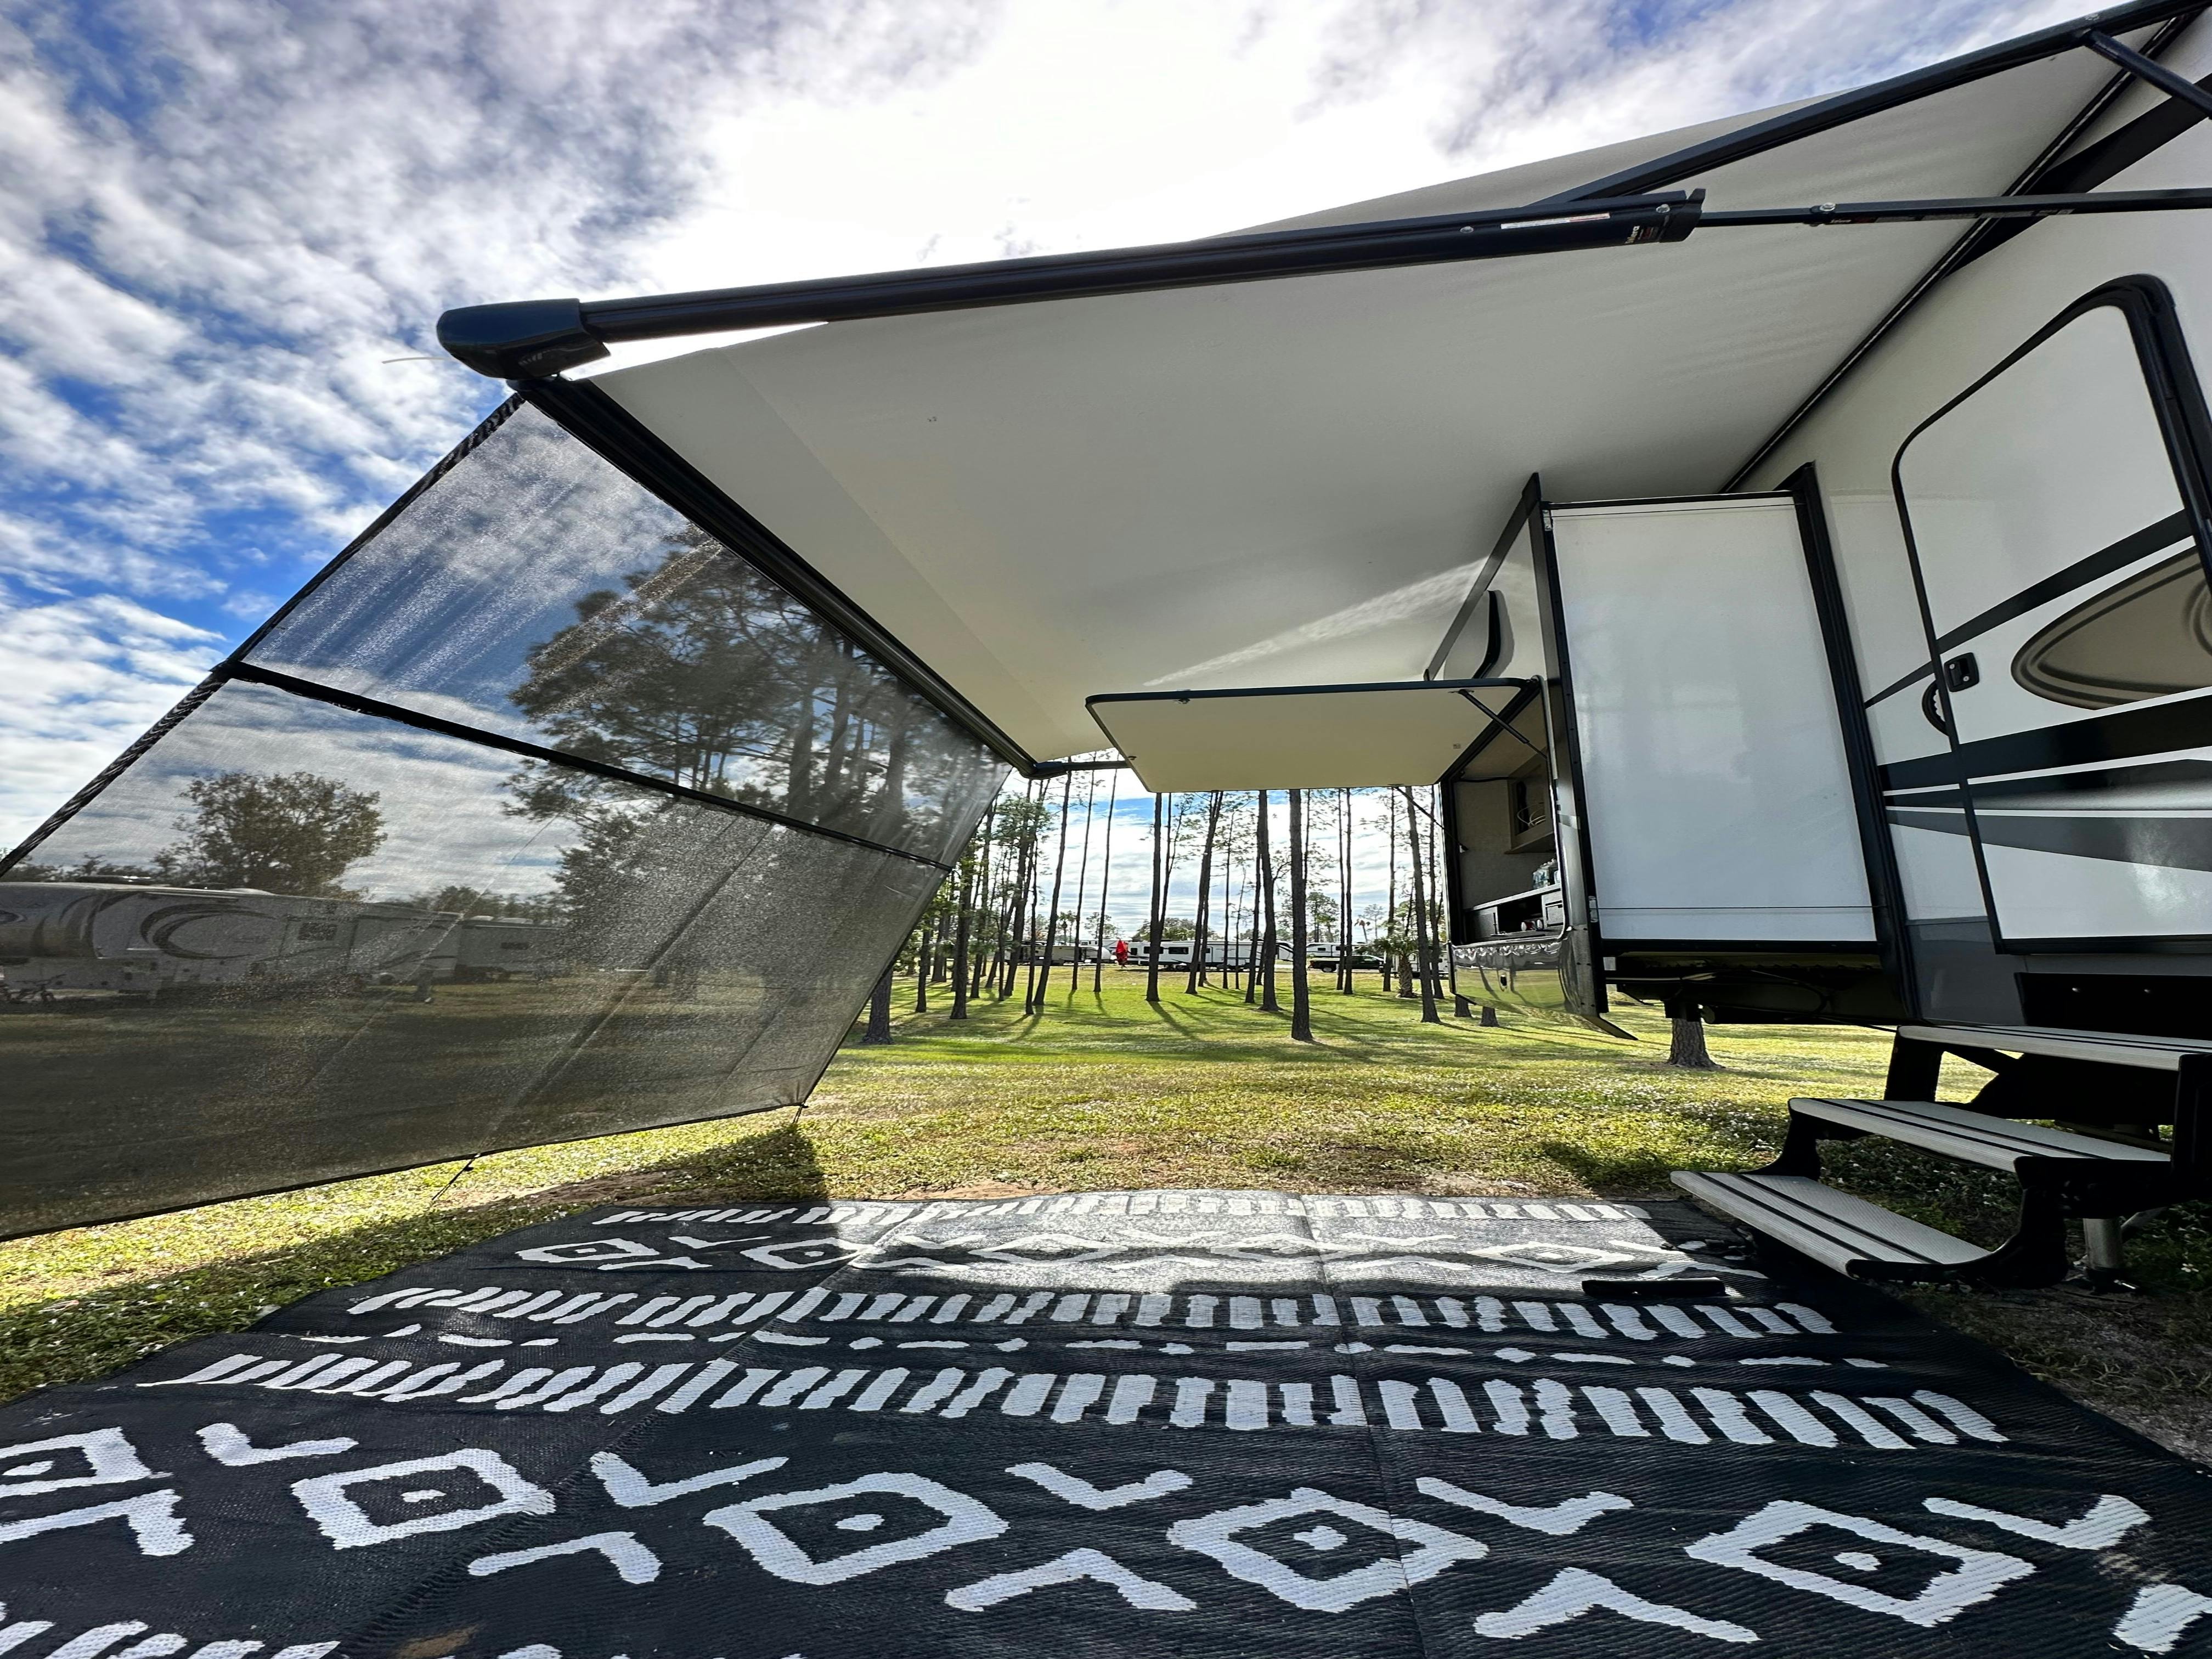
(2174,844)
(2152,539)
(2124,734)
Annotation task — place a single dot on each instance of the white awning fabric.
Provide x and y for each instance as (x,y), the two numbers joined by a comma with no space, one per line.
(1291,481)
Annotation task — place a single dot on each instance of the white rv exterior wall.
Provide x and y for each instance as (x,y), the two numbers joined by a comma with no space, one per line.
(1960,332)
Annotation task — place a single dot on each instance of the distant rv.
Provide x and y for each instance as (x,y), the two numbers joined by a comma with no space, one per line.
(1062,952)
(1237,954)
(1176,953)
(97,936)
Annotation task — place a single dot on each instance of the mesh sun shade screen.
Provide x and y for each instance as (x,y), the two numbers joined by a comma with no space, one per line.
(336,937)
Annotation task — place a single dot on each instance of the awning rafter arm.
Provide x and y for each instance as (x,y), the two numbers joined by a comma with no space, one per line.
(535,339)
(2150,70)
(1963,207)
(532,339)
(2058,160)
(1846,107)
(1504,724)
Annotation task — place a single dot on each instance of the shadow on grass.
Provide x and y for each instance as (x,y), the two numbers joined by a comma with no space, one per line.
(1162,1012)
(1215,1024)
(1634,1170)
(78,1338)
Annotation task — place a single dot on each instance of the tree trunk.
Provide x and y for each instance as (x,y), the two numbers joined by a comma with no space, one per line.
(1447,969)
(921,967)
(1424,967)
(1688,1048)
(799,770)
(960,941)
(1252,937)
(1002,912)
(1247,905)
(1052,909)
(1009,926)
(1301,1010)
(1390,841)
(1105,886)
(978,895)
(1390,916)
(1081,886)
(1158,921)
(1021,922)
(1205,906)
(880,1012)
(1344,983)
(1268,1003)
(1033,894)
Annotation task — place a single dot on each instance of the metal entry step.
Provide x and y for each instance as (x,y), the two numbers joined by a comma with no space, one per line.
(1857,1238)
(1970,1137)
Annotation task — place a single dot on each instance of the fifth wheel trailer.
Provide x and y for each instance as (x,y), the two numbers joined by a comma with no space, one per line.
(1784,540)
(102,936)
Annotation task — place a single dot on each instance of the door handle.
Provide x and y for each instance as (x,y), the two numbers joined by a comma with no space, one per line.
(1960,673)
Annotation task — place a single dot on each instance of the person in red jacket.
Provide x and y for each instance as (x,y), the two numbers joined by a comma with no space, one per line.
(1120,953)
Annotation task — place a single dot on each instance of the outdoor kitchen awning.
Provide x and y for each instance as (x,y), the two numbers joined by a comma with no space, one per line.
(1316,736)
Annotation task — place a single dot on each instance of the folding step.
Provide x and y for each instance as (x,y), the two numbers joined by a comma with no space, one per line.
(2109,1048)
(1857,1238)
(1970,1137)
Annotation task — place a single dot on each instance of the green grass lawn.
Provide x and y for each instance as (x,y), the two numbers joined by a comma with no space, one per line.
(1107,1092)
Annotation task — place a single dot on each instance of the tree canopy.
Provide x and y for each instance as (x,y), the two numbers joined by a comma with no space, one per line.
(283,832)
(701,671)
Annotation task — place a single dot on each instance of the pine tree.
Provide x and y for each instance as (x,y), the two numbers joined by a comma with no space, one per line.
(1105,886)
(1267,936)
(1158,919)
(1052,909)
(1422,944)
(1301,1011)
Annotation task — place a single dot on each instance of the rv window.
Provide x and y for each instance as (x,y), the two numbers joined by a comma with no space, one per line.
(2051,539)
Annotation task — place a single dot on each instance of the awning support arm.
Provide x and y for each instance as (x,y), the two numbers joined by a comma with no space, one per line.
(2051,162)
(1860,102)
(530,339)
(2149,69)
(1504,724)
(535,339)
(1963,207)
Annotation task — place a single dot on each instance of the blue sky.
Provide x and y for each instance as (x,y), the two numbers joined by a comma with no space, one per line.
(228,227)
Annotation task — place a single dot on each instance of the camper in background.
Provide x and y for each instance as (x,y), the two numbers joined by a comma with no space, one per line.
(95,936)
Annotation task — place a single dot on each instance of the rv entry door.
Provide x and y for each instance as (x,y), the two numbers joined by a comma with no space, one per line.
(2070,634)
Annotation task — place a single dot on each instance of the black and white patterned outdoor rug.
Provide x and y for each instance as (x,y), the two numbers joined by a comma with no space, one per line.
(1191,1423)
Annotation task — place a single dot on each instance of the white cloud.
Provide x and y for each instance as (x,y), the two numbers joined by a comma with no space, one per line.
(1506,81)
(83,677)
(213,235)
